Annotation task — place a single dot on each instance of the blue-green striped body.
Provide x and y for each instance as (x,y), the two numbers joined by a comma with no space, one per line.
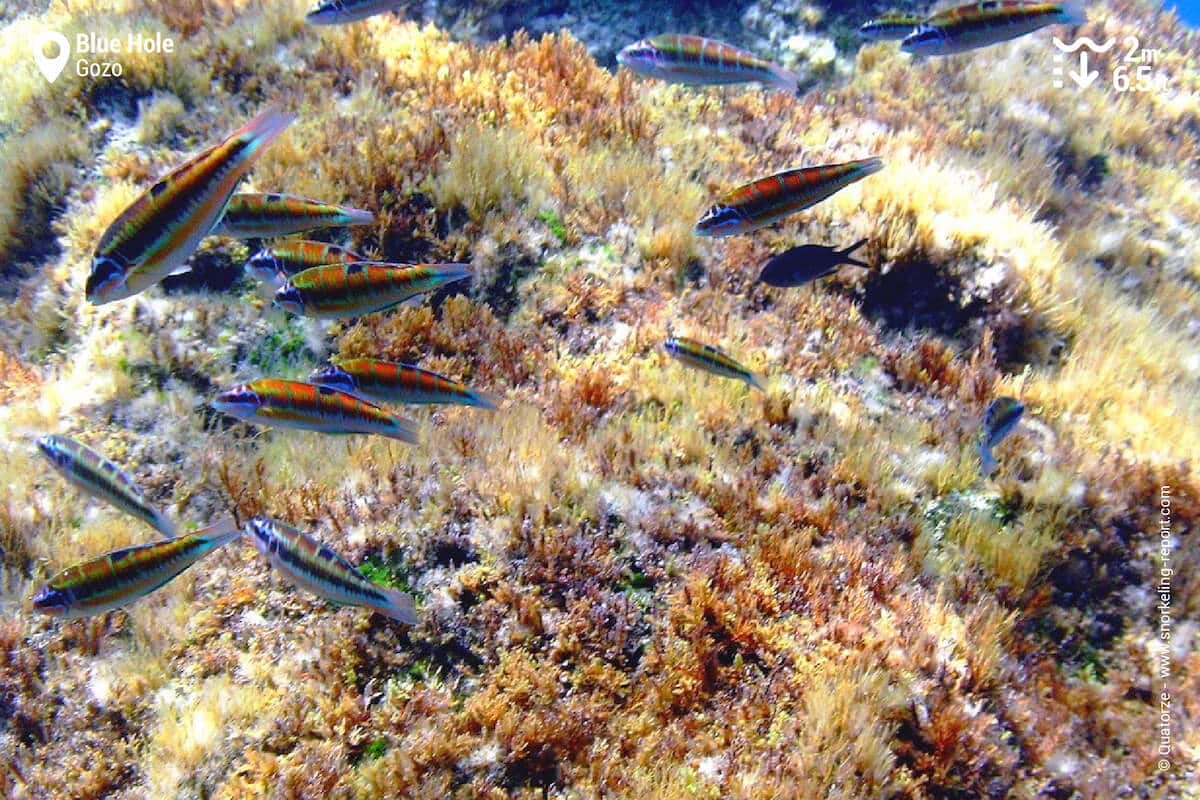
(313,566)
(123,576)
(97,476)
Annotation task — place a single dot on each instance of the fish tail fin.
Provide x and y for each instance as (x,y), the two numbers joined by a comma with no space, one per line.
(221,532)
(400,606)
(264,128)
(758,381)
(869,166)
(987,462)
(165,525)
(847,251)
(405,430)
(459,272)
(854,262)
(359,216)
(785,80)
(1072,13)
(486,400)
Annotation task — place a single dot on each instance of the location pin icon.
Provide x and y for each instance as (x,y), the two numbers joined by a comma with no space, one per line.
(51,67)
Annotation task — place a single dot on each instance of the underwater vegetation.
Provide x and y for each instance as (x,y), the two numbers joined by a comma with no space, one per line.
(633,578)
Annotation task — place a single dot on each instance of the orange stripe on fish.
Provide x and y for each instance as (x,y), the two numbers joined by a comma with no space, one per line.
(712,360)
(275,401)
(394,382)
(162,229)
(340,291)
(125,575)
(768,200)
(254,215)
(680,58)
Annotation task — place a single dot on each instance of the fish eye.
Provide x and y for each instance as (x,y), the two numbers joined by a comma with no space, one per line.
(334,376)
(50,600)
(264,260)
(638,51)
(326,7)
(52,451)
(237,397)
(105,272)
(719,218)
(260,529)
(288,297)
(925,33)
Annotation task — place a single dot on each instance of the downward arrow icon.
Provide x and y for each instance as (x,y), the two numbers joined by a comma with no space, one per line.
(1084,78)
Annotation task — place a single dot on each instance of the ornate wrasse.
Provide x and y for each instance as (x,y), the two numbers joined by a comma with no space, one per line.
(289,257)
(125,575)
(340,291)
(892,26)
(999,419)
(712,360)
(253,215)
(294,404)
(163,227)
(99,477)
(394,382)
(336,12)
(767,200)
(680,58)
(957,30)
(313,566)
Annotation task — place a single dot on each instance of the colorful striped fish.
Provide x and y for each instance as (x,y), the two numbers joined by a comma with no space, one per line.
(712,360)
(890,27)
(341,291)
(311,565)
(768,200)
(158,233)
(392,382)
(251,215)
(999,420)
(97,476)
(293,404)
(957,30)
(289,257)
(128,574)
(337,12)
(679,58)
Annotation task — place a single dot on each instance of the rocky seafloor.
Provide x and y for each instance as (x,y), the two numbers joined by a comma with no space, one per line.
(634,580)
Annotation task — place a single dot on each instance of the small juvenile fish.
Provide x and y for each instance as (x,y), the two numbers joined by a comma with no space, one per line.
(311,565)
(1001,416)
(289,257)
(251,215)
(808,262)
(713,360)
(162,229)
(128,574)
(957,30)
(678,58)
(393,382)
(767,200)
(293,404)
(892,26)
(97,476)
(341,291)
(337,12)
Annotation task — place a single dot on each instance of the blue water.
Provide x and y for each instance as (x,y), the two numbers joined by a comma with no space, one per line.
(1189,11)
